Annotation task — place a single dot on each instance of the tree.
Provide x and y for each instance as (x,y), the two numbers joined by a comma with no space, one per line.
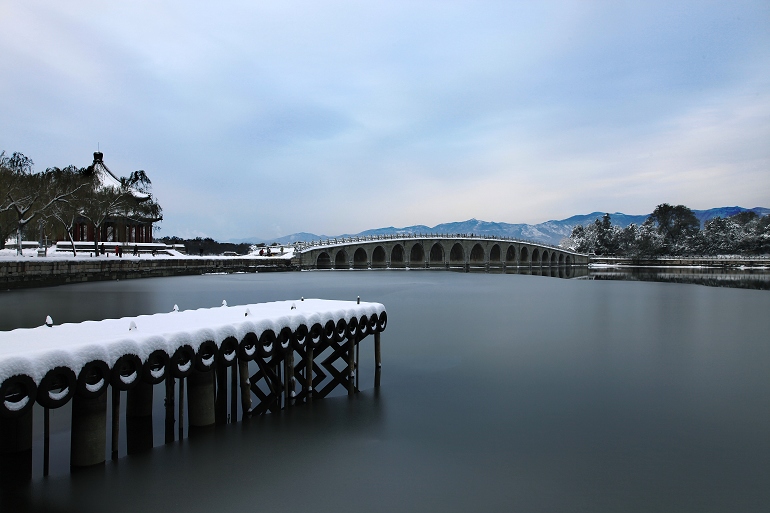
(8,184)
(606,236)
(675,224)
(649,242)
(30,195)
(67,211)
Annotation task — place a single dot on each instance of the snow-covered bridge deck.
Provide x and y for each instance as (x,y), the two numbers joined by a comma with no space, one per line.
(52,364)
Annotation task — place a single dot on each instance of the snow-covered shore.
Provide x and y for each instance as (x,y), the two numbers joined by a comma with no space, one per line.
(10,254)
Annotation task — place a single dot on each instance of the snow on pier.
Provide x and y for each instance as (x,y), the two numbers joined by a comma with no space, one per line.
(28,355)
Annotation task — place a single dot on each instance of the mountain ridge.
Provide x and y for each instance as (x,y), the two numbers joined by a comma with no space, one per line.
(549,232)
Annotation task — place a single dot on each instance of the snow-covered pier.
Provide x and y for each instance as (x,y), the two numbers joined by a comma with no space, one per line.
(256,343)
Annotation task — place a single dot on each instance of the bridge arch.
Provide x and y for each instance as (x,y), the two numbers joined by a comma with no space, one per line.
(323,261)
(397,256)
(494,253)
(561,259)
(341,260)
(379,258)
(477,253)
(437,254)
(568,261)
(535,257)
(544,258)
(360,259)
(510,254)
(457,254)
(553,259)
(416,255)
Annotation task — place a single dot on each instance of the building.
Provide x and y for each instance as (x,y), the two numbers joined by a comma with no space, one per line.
(127,228)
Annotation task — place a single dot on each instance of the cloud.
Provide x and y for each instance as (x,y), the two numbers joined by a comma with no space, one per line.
(340,116)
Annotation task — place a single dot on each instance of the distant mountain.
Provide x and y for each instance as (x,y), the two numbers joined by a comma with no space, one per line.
(549,232)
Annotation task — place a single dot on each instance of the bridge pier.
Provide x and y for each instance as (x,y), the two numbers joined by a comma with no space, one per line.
(200,401)
(16,448)
(170,383)
(309,372)
(139,418)
(351,371)
(288,377)
(88,438)
(377,360)
(243,373)
(331,342)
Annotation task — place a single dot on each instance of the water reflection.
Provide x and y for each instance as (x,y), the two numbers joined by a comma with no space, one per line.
(499,392)
(712,277)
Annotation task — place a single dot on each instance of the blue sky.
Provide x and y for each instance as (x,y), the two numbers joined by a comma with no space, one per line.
(268,118)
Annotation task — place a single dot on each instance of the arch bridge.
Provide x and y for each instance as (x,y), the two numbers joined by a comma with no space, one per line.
(456,252)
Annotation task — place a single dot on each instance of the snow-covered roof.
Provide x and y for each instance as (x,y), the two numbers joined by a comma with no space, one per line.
(35,351)
(108,179)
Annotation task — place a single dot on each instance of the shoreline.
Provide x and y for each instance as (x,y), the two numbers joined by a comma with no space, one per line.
(30,271)
(42,272)
(691,262)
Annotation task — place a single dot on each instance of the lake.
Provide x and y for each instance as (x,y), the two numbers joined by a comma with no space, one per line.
(500,392)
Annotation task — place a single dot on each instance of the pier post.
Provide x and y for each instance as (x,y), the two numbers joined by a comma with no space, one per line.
(200,400)
(16,449)
(46,441)
(169,404)
(180,405)
(243,371)
(139,418)
(309,372)
(288,377)
(114,444)
(358,349)
(234,394)
(351,364)
(89,430)
(377,360)
(221,394)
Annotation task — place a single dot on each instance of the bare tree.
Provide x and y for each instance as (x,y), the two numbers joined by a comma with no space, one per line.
(67,211)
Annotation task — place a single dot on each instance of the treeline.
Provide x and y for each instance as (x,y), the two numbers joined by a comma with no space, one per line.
(56,199)
(674,230)
(208,246)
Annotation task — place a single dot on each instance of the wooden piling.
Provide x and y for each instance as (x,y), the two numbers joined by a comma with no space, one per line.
(221,394)
(115,422)
(377,360)
(16,448)
(46,441)
(288,376)
(200,400)
(169,404)
(88,434)
(139,418)
(351,364)
(309,373)
(243,371)
(358,349)
(234,393)
(181,408)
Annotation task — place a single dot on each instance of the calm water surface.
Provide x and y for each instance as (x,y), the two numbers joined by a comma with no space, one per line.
(499,393)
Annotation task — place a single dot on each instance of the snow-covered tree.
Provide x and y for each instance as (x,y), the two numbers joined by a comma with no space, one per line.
(30,195)
(68,211)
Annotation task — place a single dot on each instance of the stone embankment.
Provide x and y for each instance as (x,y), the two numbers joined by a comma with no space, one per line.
(38,272)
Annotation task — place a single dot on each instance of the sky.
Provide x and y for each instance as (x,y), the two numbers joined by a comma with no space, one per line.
(262,119)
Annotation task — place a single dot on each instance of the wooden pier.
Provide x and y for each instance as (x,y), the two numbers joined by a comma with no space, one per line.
(276,355)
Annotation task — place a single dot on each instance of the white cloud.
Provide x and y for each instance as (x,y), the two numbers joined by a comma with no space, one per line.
(340,116)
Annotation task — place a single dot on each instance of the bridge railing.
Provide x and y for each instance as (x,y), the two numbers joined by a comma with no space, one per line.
(303,246)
